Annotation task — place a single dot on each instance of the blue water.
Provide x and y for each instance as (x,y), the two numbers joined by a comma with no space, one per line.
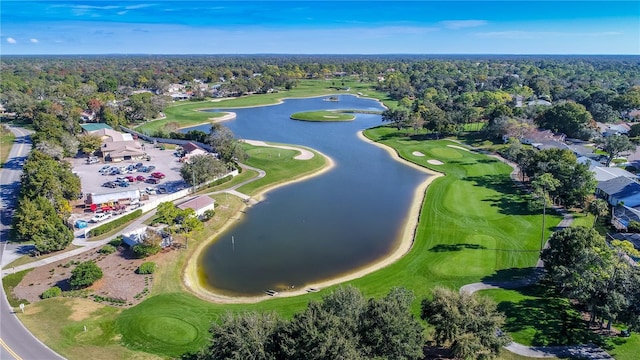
(319,228)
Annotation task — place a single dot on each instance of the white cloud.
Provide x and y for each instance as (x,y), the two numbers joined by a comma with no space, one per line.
(34,40)
(11,40)
(516,34)
(461,24)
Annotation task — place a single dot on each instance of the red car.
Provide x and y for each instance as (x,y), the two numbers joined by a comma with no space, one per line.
(158,175)
(130,178)
(140,178)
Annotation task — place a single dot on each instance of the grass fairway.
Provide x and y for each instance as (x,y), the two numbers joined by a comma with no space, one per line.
(322,115)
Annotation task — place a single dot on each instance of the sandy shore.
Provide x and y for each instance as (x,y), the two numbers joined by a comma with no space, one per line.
(405,243)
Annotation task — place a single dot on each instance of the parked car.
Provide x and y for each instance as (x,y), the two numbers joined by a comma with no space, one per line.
(149,168)
(92,160)
(140,178)
(153,180)
(158,175)
(110,184)
(150,190)
(123,183)
(104,169)
(132,168)
(114,171)
(139,165)
(142,169)
(130,178)
(99,217)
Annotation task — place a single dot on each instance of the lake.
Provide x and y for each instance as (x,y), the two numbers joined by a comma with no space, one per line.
(319,228)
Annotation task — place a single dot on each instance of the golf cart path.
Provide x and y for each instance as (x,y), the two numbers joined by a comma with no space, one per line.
(585,351)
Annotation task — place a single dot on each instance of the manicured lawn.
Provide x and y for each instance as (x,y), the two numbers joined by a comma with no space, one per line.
(9,282)
(280,165)
(536,317)
(322,115)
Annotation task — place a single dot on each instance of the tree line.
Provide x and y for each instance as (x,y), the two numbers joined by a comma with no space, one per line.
(346,325)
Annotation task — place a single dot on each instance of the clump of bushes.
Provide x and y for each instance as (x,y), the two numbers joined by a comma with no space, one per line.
(106,227)
(207,215)
(51,293)
(107,249)
(148,267)
(116,242)
(144,250)
(85,274)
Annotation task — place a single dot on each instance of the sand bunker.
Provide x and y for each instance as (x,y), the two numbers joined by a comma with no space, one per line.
(435,162)
(417,153)
(458,147)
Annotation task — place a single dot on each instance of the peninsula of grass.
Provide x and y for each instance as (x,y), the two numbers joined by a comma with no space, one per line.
(473,224)
(281,165)
(322,115)
(188,114)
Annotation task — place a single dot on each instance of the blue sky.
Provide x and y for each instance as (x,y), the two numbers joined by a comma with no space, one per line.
(319,27)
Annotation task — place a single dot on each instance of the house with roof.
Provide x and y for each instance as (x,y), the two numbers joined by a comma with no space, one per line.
(620,128)
(190,149)
(619,191)
(602,173)
(199,204)
(117,146)
(91,127)
(539,102)
(138,235)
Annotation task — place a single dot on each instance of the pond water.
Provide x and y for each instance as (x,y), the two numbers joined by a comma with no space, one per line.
(320,228)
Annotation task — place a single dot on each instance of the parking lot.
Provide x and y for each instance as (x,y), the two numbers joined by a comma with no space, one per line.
(164,161)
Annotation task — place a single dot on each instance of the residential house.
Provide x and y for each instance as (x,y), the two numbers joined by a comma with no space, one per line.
(613,129)
(91,127)
(620,190)
(602,173)
(191,149)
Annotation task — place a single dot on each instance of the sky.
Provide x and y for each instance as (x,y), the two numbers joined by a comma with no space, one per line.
(319,27)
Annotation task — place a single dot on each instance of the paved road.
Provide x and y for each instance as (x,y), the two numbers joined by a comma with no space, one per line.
(16,342)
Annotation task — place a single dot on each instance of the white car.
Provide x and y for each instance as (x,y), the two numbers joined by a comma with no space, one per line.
(99,217)
(105,169)
(151,191)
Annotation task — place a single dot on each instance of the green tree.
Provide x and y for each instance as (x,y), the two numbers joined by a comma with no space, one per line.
(465,323)
(615,145)
(249,336)
(389,330)
(568,118)
(202,168)
(36,220)
(225,144)
(167,213)
(598,208)
(88,144)
(85,274)
(398,117)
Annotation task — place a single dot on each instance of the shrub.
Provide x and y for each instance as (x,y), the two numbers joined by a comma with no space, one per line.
(148,267)
(51,293)
(633,227)
(107,249)
(144,250)
(85,274)
(106,227)
(116,242)
(207,215)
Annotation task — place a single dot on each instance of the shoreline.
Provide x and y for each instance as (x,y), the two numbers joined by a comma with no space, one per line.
(190,272)
(404,242)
